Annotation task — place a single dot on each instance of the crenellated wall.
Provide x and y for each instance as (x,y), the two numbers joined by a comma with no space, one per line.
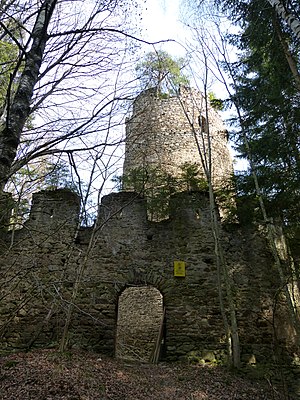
(39,266)
(124,266)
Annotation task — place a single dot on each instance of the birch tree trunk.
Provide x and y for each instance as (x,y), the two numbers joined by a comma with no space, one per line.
(290,19)
(234,355)
(288,55)
(205,154)
(17,108)
(277,241)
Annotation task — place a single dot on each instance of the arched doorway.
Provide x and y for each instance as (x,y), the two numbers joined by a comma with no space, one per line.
(140,324)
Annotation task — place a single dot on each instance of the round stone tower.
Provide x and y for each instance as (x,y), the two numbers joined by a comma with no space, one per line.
(159,134)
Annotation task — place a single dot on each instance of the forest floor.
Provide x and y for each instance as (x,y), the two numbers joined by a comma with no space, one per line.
(49,375)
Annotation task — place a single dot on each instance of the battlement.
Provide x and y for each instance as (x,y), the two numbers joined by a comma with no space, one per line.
(50,261)
(128,211)
(54,205)
(129,250)
(62,206)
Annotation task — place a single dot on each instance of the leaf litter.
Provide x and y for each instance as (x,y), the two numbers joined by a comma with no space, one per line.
(78,375)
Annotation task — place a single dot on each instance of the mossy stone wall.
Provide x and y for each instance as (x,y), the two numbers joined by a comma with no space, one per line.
(39,266)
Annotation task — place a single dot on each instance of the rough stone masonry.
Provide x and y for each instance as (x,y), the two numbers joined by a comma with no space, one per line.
(126,256)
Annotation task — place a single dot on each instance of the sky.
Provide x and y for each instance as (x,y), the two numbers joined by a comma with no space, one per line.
(161,21)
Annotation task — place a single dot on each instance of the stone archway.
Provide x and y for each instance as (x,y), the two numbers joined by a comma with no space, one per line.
(140,324)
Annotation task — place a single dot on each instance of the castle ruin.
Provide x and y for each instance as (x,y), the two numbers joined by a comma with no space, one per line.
(161,134)
(147,289)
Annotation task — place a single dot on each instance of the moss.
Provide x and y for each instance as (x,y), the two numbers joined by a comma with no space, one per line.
(257,372)
(202,357)
(10,364)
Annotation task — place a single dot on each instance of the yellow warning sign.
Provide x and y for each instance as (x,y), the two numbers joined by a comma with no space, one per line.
(179,268)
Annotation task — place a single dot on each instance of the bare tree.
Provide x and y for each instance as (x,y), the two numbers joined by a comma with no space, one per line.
(203,142)
(68,83)
(66,99)
(215,46)
(283,13)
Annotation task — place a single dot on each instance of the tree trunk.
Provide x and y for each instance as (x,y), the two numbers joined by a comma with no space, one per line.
(230,324)
(233,334)
(288,55)
(290,19)
(17,109)
(276,242)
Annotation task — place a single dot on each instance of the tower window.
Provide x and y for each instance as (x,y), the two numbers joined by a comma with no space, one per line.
(202,123)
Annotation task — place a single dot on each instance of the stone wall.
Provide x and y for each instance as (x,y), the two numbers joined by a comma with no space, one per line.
(40,263)
(125,263)
(140,316)
(159,134)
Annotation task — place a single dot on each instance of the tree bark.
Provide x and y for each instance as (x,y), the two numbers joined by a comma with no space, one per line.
(17,109)
(275,241)
(230,324)
(288,55)
(290,19)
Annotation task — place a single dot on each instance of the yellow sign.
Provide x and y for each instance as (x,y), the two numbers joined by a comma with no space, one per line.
(179,268)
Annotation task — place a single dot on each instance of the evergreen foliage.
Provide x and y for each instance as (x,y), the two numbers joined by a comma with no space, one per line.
(217,104)
(157,186)
(269,100)
(43,175)
(158,69)
(8,56)
(10,61)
